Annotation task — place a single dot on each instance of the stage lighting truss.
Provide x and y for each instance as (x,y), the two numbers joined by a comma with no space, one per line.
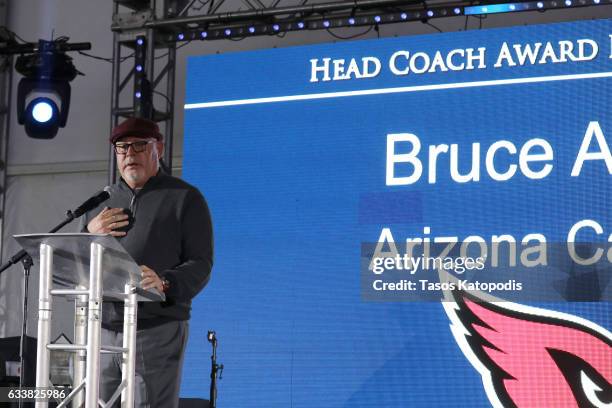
(143,97)
(321,16)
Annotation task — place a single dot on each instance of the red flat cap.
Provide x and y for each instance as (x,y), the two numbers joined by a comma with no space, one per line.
(136,127)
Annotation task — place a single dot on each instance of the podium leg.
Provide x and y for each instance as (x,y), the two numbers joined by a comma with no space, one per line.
(43,355)
(128,366)
(80,338)
(94,327)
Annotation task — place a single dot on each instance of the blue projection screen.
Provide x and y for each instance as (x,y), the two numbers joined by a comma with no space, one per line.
(315,160)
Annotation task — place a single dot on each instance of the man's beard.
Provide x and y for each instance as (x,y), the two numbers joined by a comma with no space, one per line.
(134,176)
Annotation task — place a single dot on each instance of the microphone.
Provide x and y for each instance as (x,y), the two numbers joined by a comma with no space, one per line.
(92,202)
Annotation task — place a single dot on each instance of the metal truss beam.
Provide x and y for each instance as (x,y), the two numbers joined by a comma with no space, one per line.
(179,23)
(6,75)
(258,19)
(130,16)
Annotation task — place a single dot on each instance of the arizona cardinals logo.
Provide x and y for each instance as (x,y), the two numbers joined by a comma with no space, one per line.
(531,357)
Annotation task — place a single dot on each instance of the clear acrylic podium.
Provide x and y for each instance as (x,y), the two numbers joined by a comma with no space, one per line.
(88,268)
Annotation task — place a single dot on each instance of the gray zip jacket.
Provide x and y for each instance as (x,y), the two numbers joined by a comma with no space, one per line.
(170,231)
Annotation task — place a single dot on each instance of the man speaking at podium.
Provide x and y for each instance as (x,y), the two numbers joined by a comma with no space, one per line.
(164,224)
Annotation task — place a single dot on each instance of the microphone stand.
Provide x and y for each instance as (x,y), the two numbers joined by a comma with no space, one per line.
(215,370)
(25,259)
(27,265)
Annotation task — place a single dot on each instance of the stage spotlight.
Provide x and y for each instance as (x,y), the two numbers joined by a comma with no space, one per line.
(42,117)
(43,110)
(42,106)
(43,95)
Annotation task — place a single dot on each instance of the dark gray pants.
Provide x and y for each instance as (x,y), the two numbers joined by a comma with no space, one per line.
(159,361)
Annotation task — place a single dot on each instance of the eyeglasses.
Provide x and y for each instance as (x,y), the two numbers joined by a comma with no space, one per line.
(137,147)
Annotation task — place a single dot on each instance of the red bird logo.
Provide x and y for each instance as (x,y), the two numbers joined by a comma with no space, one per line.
(530,357)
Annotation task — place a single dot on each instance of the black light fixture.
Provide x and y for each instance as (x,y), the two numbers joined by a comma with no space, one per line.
(43,95)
